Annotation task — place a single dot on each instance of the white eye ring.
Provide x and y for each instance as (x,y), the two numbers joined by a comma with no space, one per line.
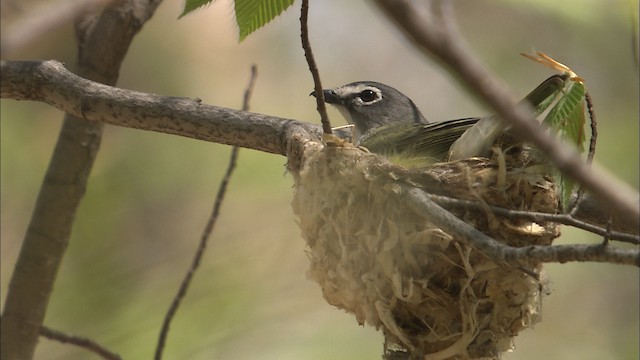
(368,96)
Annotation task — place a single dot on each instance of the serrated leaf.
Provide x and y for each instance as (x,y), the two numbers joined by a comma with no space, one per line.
(190,5)
(567,118)
(253,14)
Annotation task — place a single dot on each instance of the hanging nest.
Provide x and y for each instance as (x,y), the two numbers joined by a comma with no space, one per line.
(432,295)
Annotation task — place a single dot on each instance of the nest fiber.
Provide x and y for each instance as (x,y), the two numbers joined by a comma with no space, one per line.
(432,295)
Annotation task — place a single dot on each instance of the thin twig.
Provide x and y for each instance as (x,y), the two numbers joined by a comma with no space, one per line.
(79,341)
(101,50)
(564,219)
(206,233)
(308,54)
(594,127)
(32,22)
(507,255)
(249,90)
(590,154)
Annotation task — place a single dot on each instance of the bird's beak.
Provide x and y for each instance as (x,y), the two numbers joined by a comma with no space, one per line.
(330,97)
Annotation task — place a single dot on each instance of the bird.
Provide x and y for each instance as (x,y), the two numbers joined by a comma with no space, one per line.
(387,122)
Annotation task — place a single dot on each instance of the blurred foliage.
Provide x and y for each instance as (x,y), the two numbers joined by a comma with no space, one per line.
(150,194)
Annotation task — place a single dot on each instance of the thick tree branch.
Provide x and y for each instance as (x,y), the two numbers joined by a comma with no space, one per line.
(435,34)
(50,82)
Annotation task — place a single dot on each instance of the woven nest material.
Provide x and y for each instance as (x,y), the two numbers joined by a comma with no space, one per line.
(378,259)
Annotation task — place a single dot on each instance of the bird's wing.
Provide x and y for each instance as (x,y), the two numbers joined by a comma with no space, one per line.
(430,142)
(479,139)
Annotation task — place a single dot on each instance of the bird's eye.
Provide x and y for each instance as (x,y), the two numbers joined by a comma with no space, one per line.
(368,96)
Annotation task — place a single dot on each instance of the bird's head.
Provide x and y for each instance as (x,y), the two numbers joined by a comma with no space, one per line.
(369,105)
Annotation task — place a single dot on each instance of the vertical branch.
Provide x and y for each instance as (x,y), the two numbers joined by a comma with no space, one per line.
(206,233)
(308,54)
(103,43)
(594,127)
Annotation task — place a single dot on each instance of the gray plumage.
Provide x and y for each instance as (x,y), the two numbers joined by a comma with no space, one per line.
(387,122)
(369,105)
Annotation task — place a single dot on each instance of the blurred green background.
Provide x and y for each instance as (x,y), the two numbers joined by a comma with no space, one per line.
(150,194)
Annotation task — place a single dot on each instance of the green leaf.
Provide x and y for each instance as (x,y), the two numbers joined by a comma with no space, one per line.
(190,5)
(253,14)
(546,93)
(567,118)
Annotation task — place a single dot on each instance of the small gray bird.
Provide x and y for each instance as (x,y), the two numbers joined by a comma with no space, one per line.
(370,105)
(387,122)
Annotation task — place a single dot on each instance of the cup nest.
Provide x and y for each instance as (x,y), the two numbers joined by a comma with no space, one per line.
(432,295)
